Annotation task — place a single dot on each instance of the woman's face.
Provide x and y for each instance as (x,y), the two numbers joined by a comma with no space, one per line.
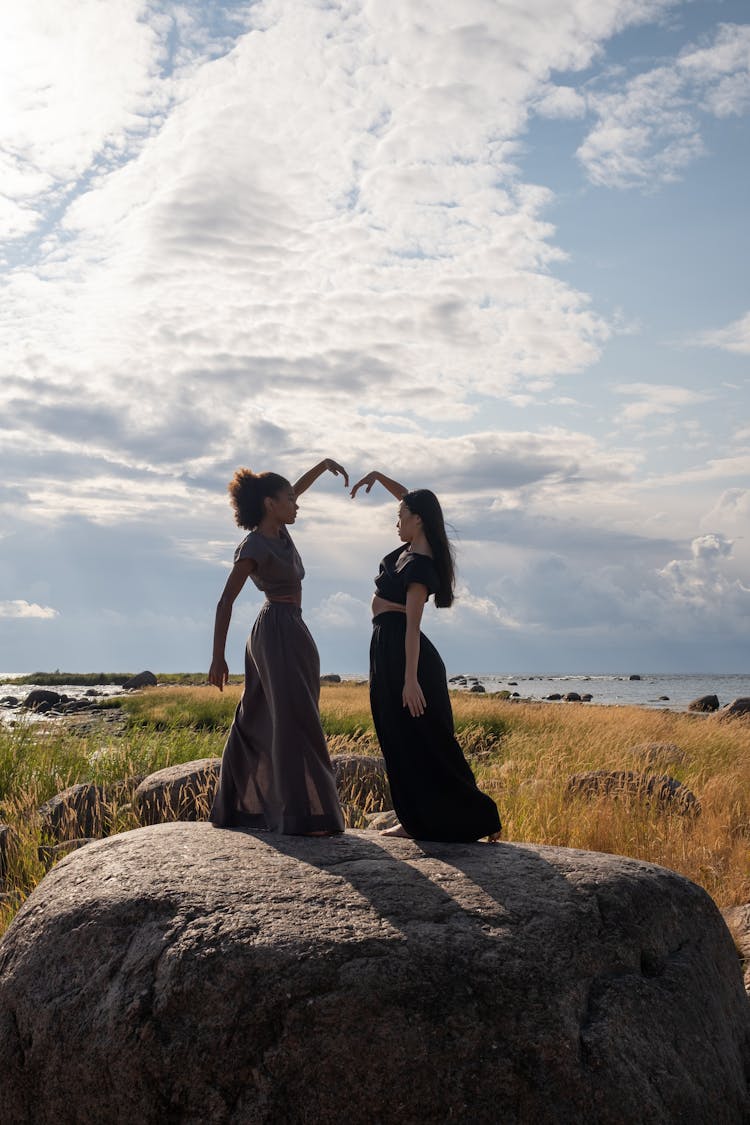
(283,506)
(407,524)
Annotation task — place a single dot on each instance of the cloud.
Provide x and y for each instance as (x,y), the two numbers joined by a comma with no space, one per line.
(656,398)
(647,132)
(20,608)
(735,337)
(341,611)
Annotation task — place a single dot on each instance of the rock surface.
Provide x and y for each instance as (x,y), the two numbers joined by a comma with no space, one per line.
(79,810)
(738,707)
(362,781)
(182,792)
(181,973)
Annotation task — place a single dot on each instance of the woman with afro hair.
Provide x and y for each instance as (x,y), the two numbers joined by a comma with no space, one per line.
(276,774)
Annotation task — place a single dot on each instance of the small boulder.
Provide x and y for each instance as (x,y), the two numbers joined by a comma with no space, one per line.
(704,703)
(40,699)
(635,677)
(477,687)
(587,697)
(182,792)
(554,696)
(141,680)
(79,810)
(330,678)
(572,697)
(666,792)
(657,754)
(9,701)
(379,821)
(362,780)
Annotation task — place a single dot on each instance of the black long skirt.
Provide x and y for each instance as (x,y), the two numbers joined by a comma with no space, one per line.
(276,774)
(434,792)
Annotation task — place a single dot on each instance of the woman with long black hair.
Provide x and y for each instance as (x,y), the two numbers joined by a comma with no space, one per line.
(434,792)
(276,774)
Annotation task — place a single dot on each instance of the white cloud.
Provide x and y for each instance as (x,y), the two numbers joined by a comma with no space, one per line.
(20,608)
(735,337)
(649,131)
(341,611)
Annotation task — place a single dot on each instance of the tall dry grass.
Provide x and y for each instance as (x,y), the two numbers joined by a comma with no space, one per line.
(523,754)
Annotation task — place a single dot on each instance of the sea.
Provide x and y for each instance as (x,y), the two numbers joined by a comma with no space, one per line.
(654,690)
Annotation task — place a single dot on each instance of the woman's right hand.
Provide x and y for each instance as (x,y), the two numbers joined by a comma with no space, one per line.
(218,673)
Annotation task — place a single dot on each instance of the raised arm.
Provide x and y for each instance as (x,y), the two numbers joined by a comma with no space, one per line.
(219,671)
(393,486)
(312,475)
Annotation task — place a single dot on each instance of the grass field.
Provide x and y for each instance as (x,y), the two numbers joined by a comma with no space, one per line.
(521,753)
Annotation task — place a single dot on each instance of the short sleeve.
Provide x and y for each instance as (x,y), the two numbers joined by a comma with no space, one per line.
(251,547)
(421,569)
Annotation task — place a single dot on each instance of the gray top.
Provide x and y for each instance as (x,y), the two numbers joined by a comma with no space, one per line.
(279,570)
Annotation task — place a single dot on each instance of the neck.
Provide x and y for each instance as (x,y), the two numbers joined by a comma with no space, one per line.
(270,527)
(420,545)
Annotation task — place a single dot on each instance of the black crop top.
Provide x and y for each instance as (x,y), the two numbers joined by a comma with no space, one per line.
(399,569)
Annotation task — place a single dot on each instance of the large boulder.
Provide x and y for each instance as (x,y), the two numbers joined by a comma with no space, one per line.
(737,708)
(182,792)
(40,699)
(361,780)
(665,792)
(185,973)
(142,679)
(79,810)
(704,703)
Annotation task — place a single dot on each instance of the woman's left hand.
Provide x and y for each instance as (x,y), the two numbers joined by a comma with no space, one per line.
(335,468)
(413,698)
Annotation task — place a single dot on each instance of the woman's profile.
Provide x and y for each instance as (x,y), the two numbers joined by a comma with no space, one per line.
(434,792)
(276,774)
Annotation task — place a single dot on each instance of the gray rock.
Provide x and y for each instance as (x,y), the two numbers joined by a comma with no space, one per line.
(554,696)
(738,707)
(659,754)
(36,699)
(634,677)
(187,974)
(6,842)
(142,679)
(586,697)
(79,810)
(49,853)
(361,780)
(379,821)
(182,792)
(572,697)
(665,791)
(330,678)
(9,701)
(477,687)
(704,703)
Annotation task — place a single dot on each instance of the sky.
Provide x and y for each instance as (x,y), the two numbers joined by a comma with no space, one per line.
(495,249)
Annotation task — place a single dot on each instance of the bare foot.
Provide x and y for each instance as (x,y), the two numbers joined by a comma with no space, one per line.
(397,830)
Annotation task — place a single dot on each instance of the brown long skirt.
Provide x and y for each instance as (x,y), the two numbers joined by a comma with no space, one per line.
(276,774)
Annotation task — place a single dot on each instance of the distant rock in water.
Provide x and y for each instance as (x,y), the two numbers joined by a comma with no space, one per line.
(572,697)
(635,677)
(143,679)
(704,703)
(330,678)
(183,973)
(41,699)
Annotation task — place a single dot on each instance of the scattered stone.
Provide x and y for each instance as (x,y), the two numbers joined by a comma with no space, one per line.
(554,696)
(521,983)
(664,699)
(330,678)
(477,687)
(362,781)
(141,680)
(572,697)
(40,699)
(704,703)
(379,821)
(660,754)
(737,708)
(182,792)
(512,683)
(634,677)
(9,701)
(587,697)
(665,791)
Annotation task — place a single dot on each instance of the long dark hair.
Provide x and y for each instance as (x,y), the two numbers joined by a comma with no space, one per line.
(426,505)
(248,490)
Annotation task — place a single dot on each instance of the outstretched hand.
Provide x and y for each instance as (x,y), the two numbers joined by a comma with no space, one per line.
(368,481)
(335,468)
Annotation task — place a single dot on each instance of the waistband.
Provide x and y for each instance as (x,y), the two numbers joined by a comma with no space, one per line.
(278,603)
(391,616)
